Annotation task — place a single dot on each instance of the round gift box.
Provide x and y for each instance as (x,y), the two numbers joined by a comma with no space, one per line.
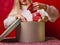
(32,32)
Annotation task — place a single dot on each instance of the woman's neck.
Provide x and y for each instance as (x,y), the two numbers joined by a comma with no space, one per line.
(25,6)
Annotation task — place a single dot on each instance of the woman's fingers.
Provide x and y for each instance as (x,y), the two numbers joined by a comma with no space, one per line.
(38,5)
(23,19)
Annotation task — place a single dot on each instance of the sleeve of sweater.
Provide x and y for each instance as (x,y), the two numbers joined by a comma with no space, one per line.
(8,21)
(53,13)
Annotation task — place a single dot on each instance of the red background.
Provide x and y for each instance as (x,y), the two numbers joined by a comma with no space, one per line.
(52,29)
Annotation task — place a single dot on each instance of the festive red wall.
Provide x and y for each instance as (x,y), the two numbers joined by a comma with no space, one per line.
(52,29)
(5,7)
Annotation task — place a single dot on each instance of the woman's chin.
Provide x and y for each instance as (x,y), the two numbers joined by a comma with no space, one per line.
(24,3)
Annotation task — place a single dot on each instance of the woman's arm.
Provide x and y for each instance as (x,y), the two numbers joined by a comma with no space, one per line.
(53,13)
(8,21)
(11,19)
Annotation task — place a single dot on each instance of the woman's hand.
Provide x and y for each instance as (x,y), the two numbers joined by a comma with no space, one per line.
(37,5)
(23,19)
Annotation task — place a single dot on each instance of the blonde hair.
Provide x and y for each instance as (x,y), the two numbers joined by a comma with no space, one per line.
(16,8)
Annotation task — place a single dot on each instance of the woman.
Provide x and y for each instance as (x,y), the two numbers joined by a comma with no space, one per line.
(20,11)
(17,6)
